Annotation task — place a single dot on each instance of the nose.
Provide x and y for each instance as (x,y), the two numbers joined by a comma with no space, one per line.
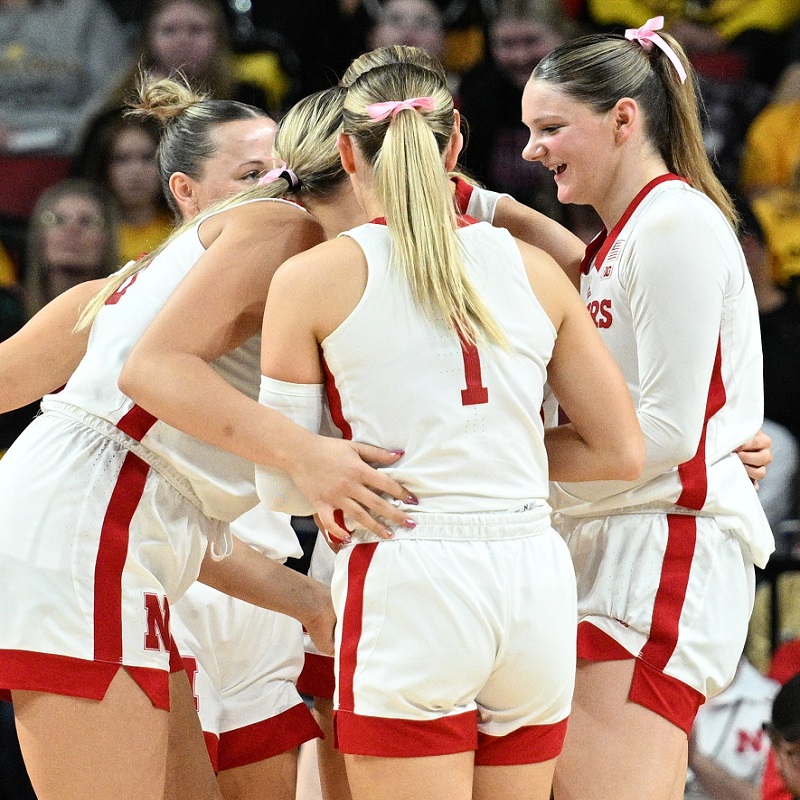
(534,150)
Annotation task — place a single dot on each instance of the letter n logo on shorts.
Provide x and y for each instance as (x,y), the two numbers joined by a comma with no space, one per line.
(157,636)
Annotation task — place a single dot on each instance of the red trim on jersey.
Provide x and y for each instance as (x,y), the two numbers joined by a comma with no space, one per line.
(602,243)
(137,422)
(360,558)
(693,473)
(405,738)
(596,645)
(531,744)
(335,401)
(317,677)
(662,694)
(111,555)
(212,745)
(270,737)
(463,194)
(74,677)
(671,592)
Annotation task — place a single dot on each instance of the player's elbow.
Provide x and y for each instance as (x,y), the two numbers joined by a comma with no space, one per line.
(630,456)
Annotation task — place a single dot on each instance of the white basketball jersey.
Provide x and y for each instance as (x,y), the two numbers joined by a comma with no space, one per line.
(671,295)
(467,418)
(221,484)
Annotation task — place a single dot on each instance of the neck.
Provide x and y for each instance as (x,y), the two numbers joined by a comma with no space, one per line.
(624,184)
(337,213)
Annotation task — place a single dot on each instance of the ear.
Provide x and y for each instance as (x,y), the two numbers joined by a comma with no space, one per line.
(626,118)
(345,147)
(182,188)
(455,145)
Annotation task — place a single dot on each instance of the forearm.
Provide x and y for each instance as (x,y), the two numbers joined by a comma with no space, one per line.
(572,458)
(186,393)
(719,784)
(255,578)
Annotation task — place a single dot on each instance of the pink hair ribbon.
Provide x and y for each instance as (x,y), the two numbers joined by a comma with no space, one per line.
(281,171)
(646,36)
(379,111)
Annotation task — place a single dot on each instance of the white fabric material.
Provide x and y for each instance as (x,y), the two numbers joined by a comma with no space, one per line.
(673,287)
(301,403)
(483,203)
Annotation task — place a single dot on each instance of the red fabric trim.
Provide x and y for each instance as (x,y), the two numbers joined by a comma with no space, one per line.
(335,401)
(212,745)
(528,745)
(357,567)
(785,661)
(137,422)
(405,738)
(111,555)
(671,592)
(75,677)
(693,473)
(596,645)
(317,678)
(664,695)
(463,194)
(603,242)
(772,785)
(270,737)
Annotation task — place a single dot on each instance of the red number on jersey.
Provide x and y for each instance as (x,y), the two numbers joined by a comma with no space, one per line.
(476,393)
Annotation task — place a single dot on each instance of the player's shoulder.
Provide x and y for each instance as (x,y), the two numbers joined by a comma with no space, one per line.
(675,207)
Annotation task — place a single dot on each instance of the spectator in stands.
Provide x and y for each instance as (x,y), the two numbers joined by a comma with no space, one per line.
(784,732)
(120,154)
(59,60)
(417,23)
(733,38)
(72,238)
(190,36)
(727,747)
(491,96)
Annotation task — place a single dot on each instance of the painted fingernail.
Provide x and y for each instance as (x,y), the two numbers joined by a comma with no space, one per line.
(387,533)
(412,501)
(409,523)
(398,452)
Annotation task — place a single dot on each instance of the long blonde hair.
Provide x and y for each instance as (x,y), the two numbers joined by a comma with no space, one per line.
(306,142)
(600,69)
(405,153)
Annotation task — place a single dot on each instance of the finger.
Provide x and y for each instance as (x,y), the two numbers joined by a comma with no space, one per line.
(378,506)
(377,455)
(331,527)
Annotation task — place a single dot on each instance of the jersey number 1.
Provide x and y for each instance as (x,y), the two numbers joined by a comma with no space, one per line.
(476,393)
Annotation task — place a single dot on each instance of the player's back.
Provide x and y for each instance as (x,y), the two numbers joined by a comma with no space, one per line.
(467,418)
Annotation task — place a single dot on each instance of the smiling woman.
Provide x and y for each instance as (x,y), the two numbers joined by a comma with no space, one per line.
(665,563)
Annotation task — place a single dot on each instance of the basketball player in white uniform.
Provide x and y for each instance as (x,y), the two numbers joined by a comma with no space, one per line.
(143,500)
(664,563)
(441,629)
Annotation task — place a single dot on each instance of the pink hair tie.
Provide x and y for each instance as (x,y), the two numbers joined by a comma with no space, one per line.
(281,171)
(646,36)
(379,111)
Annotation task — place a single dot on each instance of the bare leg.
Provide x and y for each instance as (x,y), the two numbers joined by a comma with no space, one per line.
(615,749)
(429,778)
(524,782)
(190,775)
(332,773)
(273,778)
(115,749)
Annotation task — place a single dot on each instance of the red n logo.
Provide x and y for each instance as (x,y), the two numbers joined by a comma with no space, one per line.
(157,636)
(750,740)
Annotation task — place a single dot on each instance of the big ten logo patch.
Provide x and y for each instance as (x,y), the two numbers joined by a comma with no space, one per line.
(157,636)
(750,740)
(600,312)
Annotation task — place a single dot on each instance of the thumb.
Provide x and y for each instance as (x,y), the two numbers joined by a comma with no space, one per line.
(377,455)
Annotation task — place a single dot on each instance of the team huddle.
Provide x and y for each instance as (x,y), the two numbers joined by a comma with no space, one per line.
(538,527)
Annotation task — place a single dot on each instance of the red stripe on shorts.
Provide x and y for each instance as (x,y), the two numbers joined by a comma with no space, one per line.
(111,555)
(357,566)
(530,744)
(693,473)
(317,677)
(671,592)
(137,422)
(405,738)
(270,737)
